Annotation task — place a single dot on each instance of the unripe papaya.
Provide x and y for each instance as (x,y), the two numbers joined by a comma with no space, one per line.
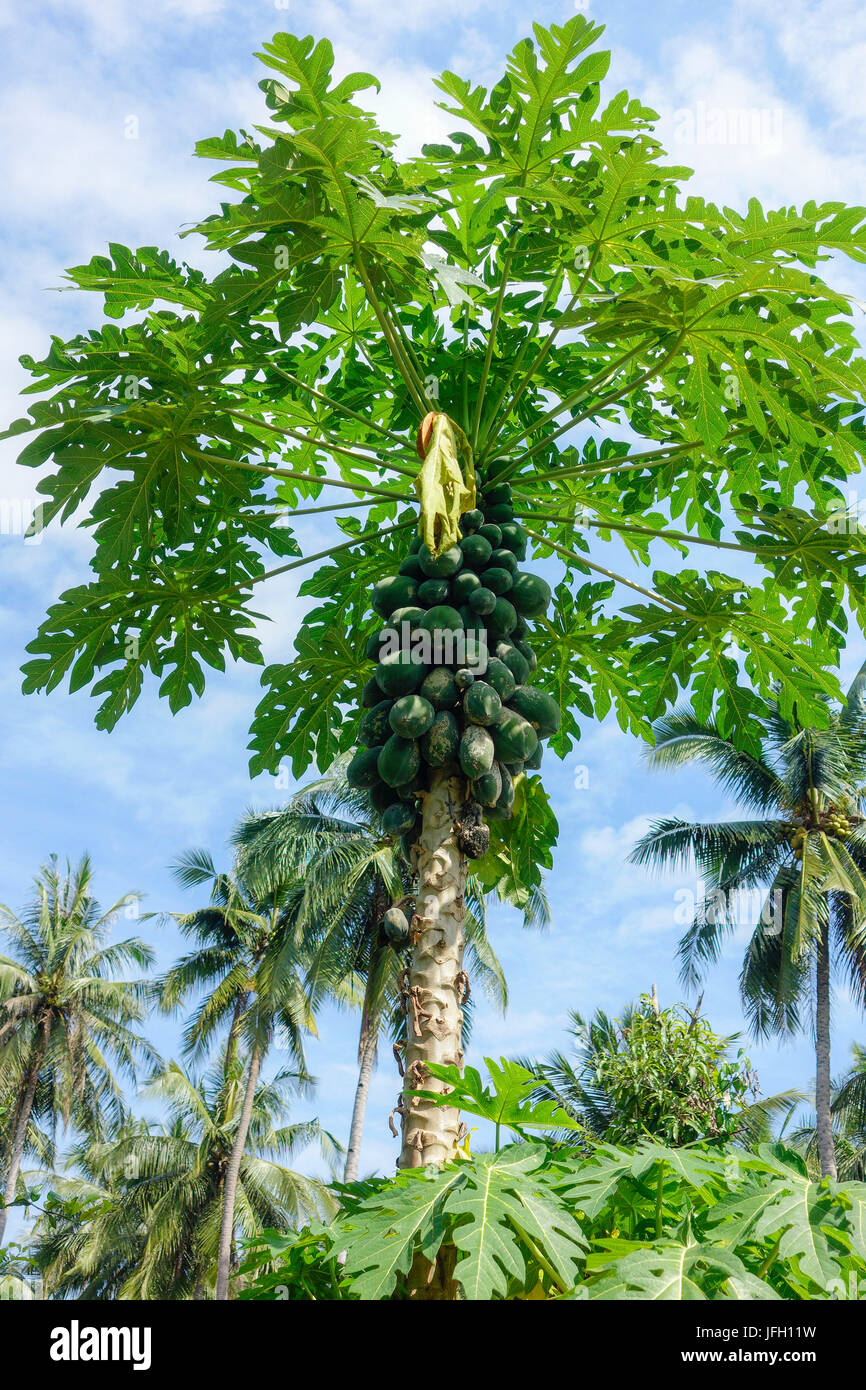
(440,743)
(411,716)
(394,591)
(481,703)
(375,727)
(398,760)
(363,769)
(476,751)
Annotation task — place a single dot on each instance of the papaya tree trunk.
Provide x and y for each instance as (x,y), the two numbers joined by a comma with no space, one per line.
(435,983)
(19,1135)
(826,1146)
(232,1174)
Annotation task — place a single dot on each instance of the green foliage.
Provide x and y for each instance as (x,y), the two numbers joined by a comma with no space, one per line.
(546,269)
(69,1014)
(293,1268)
(662,1075)
(520,847)
(534,1220)
(668,1076)
(508,1103)
(138,1215)
(804,855)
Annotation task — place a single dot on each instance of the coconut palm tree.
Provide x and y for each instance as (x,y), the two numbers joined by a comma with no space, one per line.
(246,961)
(143,1210)
(805,857)
(848,1111)
(331,835)
(65,1016)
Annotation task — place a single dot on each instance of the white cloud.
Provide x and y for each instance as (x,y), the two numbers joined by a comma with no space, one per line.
(648,921)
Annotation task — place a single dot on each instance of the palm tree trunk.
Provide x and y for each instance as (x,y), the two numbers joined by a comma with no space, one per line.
(232,1174)
(231,1051)
(23,1119)
(826,1147)
(368,1040)
(367,1057)
(435,979)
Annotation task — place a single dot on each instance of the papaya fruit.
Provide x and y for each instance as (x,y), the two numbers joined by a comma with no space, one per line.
(486,788)
(499,676)
(381,796)
(490,533)
(525,650)
(482,601)
(498,580)
(434,591)
(371,694)
(440,688)
(398,760)
(505,800)
(530,595)
(514,738)
(400,673)
(374,727)
(396,927)
(441,566)
(533,762)
(363,769)
(502,619)
(476,551)
(411,566)
(539,708)
(411,614)
(500,513)
(504,560)
(411,716)
(473,623)
(440,743)
(463,585)
(514,538)
(514,660)
(470,521)
(498,494)
(442,618)
(494,468)
(475,655)
(476,751)
(398,818)
(394,591)
(481,704)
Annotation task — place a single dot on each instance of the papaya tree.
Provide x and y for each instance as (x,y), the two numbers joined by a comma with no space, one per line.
(525,341)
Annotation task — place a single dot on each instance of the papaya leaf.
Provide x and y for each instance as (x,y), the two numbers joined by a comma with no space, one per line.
(496,1210)
(507,1101)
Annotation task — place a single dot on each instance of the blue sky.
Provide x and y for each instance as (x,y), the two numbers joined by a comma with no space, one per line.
(78,79)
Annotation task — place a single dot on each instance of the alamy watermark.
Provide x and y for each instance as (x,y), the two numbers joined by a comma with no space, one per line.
(702,124)
(742,907)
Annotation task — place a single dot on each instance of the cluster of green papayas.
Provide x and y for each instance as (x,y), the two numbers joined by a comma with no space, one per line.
(479,709)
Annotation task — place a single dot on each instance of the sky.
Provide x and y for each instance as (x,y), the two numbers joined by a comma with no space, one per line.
(101,102)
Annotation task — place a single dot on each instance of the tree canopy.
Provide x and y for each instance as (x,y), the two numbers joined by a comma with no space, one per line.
(640,364)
